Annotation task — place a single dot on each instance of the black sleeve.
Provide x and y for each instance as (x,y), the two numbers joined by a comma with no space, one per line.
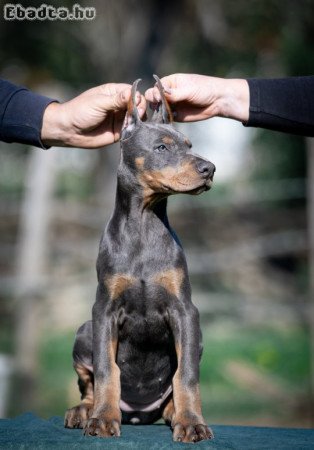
(21,114)
(283,104)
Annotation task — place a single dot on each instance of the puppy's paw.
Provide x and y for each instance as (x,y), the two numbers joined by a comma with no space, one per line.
(76,417)
(187,432)
(102,427)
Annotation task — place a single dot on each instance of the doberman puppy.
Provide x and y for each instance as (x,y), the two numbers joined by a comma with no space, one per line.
(138,359)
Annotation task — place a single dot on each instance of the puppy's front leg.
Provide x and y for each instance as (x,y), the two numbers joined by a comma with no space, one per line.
(188,423)
(106,417)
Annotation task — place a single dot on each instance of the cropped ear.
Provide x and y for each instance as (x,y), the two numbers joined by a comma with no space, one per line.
(162,113)
(132,118)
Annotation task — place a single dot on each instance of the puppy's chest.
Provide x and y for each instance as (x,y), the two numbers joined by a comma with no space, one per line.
(152,287)
(144,326)
(142,305)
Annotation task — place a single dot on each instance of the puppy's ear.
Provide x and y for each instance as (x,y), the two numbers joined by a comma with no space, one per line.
(132,118)
(162,113)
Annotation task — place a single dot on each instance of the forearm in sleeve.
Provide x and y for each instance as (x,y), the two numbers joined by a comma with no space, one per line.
(285,104)
(21,114)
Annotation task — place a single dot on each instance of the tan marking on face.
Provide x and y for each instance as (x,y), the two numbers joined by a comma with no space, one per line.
(139,162)
(171,280)
(188,142)
(167,140)
(183,178)
(118,283)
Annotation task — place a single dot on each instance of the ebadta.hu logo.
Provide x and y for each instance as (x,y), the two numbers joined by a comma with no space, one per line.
(47,12)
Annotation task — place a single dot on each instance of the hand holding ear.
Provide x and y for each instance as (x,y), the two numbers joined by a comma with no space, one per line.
(197,97)
(162,113)
(91,120)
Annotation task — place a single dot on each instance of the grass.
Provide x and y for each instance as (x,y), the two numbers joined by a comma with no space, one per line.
(277,362)
(57,377)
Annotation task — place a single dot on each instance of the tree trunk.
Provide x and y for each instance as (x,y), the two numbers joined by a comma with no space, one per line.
(31,263)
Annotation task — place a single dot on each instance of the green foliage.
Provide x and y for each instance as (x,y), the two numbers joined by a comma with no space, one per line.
(74,185)
(279,156)
(280,354)
(56,374)
(49,49)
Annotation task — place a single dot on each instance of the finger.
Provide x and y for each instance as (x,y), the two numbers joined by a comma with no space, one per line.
(120,101)
(114,102)
(173,94)
(152,95)
(141,106)
(169,83)
(185,113)
(110,88)
(178,94)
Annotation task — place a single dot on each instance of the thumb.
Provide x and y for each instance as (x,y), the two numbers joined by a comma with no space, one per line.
(175,95)
(116,101)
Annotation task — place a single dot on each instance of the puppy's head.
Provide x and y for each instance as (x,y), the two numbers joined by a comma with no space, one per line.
(160,157)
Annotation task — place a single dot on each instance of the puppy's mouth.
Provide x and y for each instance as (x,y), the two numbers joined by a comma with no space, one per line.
(186,189)
(199,190)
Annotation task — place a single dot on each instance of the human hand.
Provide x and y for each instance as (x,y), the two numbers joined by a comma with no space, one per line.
(91,120)
(199,97)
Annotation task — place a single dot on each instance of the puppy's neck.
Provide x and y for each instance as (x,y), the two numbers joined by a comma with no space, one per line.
(130,205)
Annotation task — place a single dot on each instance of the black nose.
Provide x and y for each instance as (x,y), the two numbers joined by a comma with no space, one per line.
(205,168)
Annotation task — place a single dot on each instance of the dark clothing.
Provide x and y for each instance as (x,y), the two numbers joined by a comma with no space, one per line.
(21,114)
(283,104)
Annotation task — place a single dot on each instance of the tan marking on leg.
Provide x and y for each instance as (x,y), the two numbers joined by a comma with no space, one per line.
(168,412)
(188,423)
(87,395)
(106,416)
(171,280)
(118,283)
(185,400)
(77,416)
(107,392)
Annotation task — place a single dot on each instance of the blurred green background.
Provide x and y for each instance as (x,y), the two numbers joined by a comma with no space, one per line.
(247,241)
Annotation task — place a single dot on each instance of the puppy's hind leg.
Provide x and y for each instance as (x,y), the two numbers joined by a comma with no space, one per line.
(77,416)
(168,412)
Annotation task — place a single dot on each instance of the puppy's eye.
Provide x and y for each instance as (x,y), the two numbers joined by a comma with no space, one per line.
(161,148)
